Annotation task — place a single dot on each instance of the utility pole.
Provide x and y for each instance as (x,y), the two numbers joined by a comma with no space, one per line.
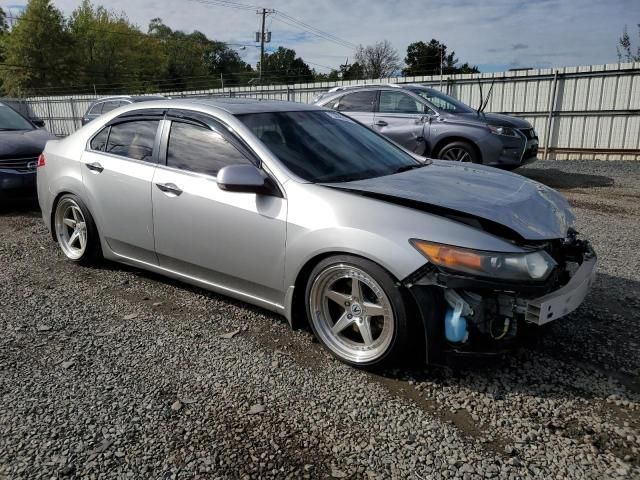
(262,36)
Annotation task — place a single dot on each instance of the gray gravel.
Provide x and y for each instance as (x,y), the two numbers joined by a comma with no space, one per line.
(116,373)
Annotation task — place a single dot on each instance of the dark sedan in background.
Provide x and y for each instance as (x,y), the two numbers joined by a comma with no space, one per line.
(21,143)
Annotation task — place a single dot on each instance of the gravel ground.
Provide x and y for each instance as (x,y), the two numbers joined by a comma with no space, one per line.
(116,373)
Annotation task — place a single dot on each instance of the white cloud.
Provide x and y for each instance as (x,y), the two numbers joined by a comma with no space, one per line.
(557,32)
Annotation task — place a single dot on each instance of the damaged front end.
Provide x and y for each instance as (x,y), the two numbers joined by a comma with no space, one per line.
(480,311)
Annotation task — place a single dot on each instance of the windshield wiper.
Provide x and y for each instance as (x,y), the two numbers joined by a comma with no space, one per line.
(10,129)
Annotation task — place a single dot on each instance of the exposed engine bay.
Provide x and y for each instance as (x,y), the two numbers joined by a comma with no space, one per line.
(485,315)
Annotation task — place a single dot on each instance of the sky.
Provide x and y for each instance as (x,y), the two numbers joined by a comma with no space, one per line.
(494,34)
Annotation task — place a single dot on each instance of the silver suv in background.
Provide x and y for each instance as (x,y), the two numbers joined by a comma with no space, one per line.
(106,104)
(433,124)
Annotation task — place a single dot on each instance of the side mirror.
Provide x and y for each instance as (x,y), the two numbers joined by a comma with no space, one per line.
(38,122)
(246,179)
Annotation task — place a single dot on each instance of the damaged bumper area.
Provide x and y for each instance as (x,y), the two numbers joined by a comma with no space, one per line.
(484,316)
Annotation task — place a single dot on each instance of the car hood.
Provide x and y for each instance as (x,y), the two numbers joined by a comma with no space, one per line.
(496,119)
(532,210)
(23,143)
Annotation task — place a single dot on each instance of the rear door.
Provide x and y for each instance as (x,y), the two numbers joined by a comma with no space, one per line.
(403,119)
(358,105)
(117,171)
(235,241)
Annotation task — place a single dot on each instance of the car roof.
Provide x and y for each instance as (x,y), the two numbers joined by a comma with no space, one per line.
(237,106)
(133,98)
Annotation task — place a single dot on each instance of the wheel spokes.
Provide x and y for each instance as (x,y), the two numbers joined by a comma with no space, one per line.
(373,309)
(364,327)
(343,322)
(340,298)
(70,222)
(74,236)
(356,289)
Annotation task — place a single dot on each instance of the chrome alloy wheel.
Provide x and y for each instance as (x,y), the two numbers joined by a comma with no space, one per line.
(351,313)
(456,154)
(71,228)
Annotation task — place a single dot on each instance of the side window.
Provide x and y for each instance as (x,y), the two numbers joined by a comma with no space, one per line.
(133,139)
(111,105)
(334,104)
(99,142)
(198,149)
(398,102)
(96,109)
(357,102)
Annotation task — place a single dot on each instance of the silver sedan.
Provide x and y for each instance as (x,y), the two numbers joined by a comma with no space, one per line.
(306,212)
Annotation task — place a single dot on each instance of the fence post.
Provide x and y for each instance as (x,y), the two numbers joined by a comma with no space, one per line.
(552,108)
(50,117)
(73,114)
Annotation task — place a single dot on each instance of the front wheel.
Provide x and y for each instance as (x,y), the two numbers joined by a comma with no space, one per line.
(357,311)
(459,152)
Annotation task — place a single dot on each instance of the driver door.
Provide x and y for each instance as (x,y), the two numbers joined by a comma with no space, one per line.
(403,119)
(233,241)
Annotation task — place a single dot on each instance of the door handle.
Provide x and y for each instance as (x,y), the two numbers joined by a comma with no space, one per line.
(381,123)
(95,167)
(171,188)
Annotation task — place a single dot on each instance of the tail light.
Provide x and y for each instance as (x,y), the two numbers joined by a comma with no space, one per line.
(41,160)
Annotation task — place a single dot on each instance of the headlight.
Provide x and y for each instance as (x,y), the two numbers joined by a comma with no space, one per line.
(504,266)
(505,131)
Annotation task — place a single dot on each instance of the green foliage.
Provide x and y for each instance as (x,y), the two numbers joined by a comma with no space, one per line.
(282,66)
(424,59)
(100,49)
(36,51)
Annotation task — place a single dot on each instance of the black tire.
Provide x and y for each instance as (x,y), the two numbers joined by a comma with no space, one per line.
(459,151)
(92,251)
(400,337)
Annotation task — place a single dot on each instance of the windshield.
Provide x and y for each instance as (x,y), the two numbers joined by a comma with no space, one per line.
(441,101)
(321,146)
(11,120)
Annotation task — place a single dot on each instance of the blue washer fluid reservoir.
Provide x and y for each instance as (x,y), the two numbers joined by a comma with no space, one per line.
(455,325)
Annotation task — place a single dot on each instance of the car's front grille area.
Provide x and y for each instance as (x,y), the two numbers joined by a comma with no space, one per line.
(25,164)
(530,133)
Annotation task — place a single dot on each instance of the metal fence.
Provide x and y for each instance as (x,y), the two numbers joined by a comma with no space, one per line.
(588,112)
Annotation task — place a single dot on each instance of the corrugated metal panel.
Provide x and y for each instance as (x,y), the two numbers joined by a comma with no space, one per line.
(596,106)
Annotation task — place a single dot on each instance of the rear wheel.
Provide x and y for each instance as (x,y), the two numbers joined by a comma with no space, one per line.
(76,231)
(357,311)
(459,152)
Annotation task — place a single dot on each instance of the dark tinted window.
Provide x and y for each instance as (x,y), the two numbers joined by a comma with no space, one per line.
(357,102)
(99,142)
(96,109)
(133,139)
(201,150)
(111,105)
(12,120)
(326,146)
(398,102)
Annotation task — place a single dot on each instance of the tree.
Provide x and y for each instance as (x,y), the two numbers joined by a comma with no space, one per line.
(111,53)
(352,72)
(36,50)
(425,59)
(3,31)
(283,66)
(624,47)
(378,61)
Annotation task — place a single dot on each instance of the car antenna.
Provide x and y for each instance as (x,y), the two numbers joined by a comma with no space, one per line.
(486,102)
(481,96)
